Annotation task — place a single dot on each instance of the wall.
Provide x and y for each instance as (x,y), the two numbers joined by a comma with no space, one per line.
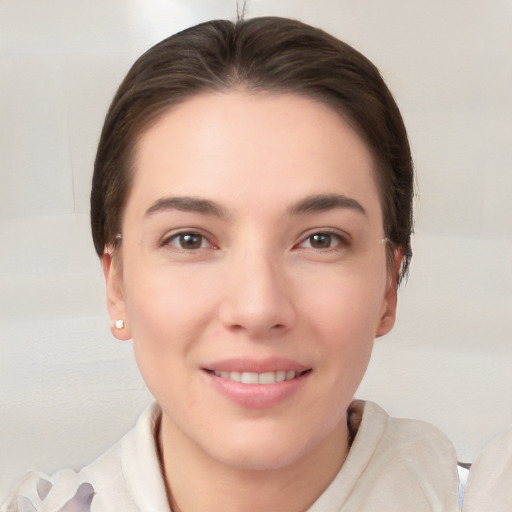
(68,389)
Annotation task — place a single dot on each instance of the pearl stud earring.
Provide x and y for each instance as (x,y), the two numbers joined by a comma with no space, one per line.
(119,324)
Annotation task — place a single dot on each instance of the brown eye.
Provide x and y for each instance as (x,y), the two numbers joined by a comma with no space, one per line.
(320,241)
(323,241)
(188,241)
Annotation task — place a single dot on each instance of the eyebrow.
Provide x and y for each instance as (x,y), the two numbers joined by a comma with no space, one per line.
(186,204)
(310,204)
(324,202)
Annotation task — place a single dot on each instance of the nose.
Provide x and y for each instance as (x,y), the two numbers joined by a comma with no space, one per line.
(258,296)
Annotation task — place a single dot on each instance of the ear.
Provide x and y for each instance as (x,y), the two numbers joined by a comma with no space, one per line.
(115,296)
(387,320)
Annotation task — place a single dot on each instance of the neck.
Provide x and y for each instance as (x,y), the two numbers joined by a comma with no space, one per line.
(199,483)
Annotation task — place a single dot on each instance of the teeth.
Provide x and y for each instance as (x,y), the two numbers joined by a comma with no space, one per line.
(280,376)
(258,378)
(235,376)
(267,378)
(250,378)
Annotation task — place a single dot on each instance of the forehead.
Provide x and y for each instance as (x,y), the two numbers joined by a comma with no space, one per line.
(278,146)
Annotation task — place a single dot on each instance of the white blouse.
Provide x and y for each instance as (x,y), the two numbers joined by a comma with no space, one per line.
(393,465)
(489,485)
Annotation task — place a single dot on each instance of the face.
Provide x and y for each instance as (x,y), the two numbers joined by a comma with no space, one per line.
(252,274)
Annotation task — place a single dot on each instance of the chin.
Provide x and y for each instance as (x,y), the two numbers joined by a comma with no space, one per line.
(255,451)
(261,460)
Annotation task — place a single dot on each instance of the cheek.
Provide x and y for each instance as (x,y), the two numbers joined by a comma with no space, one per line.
(167,313)
(349,304)
(165,297)
(347,322)
(345,316)
(166,310)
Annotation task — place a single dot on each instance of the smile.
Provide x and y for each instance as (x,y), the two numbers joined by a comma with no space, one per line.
(257,385)
(259,378)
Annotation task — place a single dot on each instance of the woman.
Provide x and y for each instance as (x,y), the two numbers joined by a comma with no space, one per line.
(252,207)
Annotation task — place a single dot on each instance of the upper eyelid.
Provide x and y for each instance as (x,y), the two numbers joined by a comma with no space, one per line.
(345,236)
(170,235)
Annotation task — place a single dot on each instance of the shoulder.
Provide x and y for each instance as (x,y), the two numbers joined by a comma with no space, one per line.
(488,486)
(411,437)
(39,492)
(108,483)
(407,462)
(79,491)
(417,448)
(404,464)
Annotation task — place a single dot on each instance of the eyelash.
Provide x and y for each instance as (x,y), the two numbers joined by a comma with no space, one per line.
(342,240)
(168,241)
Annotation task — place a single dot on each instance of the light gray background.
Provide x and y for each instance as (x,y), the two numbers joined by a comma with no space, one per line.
(68,389)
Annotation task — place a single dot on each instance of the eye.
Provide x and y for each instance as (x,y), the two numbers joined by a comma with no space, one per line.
(188,241)
(323,241)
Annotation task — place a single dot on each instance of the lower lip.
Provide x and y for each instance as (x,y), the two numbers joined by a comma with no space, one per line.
(257,396)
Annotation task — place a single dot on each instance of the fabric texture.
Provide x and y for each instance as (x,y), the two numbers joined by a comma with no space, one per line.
(393,465)
(489,485)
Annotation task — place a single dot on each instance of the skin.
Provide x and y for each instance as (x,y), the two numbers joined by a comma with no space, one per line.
(253,283)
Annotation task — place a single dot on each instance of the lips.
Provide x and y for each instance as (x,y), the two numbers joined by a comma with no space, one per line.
(255,371)
(257,384)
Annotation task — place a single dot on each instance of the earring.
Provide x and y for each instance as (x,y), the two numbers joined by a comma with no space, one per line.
(119,324)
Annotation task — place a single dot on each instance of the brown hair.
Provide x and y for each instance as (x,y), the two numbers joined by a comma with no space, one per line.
(259,54)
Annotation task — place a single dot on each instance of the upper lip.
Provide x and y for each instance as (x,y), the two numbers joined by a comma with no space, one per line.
(273,364)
